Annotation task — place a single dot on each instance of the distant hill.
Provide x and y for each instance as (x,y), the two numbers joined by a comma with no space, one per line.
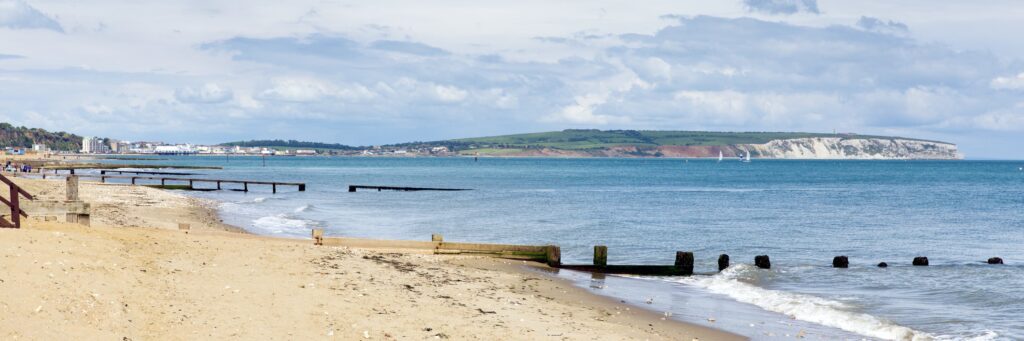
(581,139)
(11,136)
(290,144)
(656,143)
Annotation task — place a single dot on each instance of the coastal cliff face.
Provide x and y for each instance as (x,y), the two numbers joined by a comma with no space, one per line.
(852,148)
(799,148)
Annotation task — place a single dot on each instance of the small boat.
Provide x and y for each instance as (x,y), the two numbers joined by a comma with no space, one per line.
(747,158)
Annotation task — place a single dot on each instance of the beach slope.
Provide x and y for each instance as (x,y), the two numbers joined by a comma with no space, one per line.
(155,282)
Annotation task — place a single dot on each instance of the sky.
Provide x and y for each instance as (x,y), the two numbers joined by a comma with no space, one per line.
(377,72)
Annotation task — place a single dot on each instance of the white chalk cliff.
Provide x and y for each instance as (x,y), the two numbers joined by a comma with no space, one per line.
(851,148)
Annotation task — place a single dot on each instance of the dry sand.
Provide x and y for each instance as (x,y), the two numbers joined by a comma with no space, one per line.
(133,275)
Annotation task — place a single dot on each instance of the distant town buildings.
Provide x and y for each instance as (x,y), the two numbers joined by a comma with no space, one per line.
(93,145)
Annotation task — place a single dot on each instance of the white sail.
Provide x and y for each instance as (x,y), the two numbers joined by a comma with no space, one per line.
(748,157)
(719,156)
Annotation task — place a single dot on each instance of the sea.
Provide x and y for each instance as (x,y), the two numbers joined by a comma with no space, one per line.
(801,213)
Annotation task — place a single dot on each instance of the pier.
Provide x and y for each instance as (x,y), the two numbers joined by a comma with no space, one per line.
(353,188)
(192,181)
(71,168)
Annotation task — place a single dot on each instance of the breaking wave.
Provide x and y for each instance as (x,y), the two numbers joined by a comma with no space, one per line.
(733,282)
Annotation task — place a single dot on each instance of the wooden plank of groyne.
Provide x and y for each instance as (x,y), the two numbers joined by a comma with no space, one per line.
(600,255)
(548,254)
(353,188)
(379,243)
(118,171)
(684,262)
(490,247)
(71,188)
(651,270)
(723,262)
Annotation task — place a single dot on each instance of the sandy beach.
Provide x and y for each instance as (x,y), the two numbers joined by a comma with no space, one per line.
(133,276)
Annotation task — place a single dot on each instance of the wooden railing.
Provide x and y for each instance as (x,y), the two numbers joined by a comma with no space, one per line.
(13,202)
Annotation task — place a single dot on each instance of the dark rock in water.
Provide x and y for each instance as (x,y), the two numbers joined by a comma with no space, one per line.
(883,265)
(723,262)
(920,261)
(763,262)
(840,262)
(995,260)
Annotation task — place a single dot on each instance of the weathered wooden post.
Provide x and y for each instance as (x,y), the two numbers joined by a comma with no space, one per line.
(218,185)
(72,188)
(684,263)
(274,188)
(318,237)
(245,186)
(15,206)
(995,260)
(920,261)
(436,237)
(600,255)
(723,262)
(191,185)
(840,262)
(133,180)
(763,262)
(553,255)
(163,182)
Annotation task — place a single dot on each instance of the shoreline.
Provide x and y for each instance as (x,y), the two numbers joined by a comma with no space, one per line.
(137,217)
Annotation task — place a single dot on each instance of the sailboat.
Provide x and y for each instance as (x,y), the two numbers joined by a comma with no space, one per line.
(719,156)
(746,158)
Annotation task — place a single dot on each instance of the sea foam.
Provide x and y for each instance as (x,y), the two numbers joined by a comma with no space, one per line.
(282,224)
(730,282)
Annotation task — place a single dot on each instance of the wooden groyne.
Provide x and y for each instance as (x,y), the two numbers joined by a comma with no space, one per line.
(71,168)
(191,181)
(548,254)
(552,255)
(105,171)
(353,188)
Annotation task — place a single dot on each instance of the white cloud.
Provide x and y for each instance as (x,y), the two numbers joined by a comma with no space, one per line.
(208,93)
(1003,120)
(782,6)
(449,94)
(17,14)
(654,69)
(582,112)
(308,89)
(1008,83)
(882,26)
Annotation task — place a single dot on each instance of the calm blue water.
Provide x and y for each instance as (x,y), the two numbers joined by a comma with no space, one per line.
(801,213)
